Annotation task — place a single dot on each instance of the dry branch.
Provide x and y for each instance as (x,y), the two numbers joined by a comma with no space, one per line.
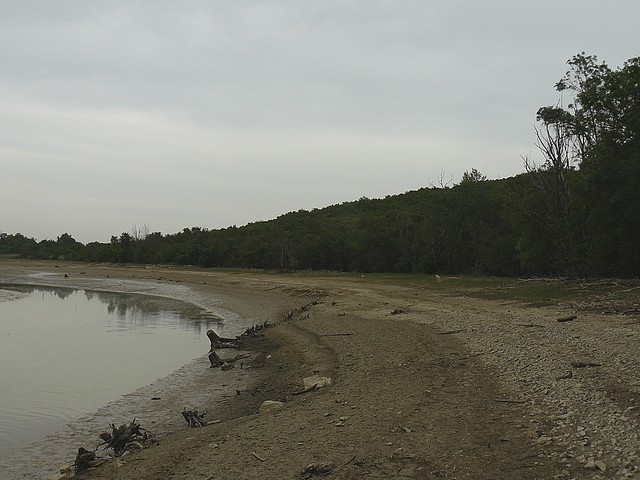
(193,418)
(125,437)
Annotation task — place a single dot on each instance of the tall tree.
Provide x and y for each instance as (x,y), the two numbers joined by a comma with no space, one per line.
(598,133)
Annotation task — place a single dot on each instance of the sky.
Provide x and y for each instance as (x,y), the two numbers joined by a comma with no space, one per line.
(160,115)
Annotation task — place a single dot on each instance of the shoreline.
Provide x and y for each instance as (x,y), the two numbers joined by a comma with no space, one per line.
(426,383)
(193,385)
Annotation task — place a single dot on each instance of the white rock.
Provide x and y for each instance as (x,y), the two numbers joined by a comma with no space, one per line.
(316,380)
(270,405)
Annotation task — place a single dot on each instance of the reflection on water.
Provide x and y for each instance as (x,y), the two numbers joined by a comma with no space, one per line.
(68,351)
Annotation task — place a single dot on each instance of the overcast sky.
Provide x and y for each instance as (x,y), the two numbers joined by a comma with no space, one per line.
(175,114)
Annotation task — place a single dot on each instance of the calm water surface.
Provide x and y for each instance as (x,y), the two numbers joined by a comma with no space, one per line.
(64,352)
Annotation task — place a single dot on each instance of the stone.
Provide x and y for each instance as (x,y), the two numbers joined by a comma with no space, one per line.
(268,405)
(316,380)
(543,440)
(601,465)
(594,464)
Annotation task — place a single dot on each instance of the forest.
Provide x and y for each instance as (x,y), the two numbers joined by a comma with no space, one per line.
(576,213)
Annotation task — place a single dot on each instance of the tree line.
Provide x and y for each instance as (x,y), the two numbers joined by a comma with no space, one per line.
(575,213)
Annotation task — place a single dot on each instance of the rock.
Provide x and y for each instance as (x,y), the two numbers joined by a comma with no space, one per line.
(543,440)
(316,380)
(596,464)
(270,405)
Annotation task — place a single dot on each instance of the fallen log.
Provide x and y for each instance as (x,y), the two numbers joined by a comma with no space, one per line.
(221,342)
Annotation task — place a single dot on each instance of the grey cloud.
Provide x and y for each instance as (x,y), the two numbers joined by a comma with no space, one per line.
(198,112)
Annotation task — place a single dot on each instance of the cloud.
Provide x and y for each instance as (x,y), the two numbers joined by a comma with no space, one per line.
(212,113)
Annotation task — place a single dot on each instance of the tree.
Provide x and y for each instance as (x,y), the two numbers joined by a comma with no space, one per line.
(592,146)
(472,176)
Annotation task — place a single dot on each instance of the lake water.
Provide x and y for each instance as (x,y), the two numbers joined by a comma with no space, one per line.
(65,352)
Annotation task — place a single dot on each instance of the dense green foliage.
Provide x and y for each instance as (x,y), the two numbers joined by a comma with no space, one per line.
(576,214)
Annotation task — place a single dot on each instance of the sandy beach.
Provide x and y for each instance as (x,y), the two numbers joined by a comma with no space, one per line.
(425,383)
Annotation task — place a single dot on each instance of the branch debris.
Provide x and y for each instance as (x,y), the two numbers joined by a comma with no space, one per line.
(125,437)
(194,419)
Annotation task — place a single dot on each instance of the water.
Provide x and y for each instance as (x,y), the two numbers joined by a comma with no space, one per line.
(65,352)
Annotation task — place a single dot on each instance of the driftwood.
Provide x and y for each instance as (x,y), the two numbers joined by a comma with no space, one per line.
(85,459)
(221,342)
(125,437)
(256,330)
(451,332)
(290,314)
(215,359)
(194,419)
(225,363)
